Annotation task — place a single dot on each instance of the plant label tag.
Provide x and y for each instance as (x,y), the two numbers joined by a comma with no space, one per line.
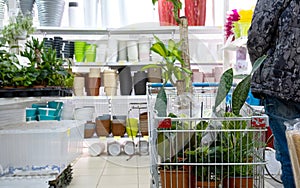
(24,61)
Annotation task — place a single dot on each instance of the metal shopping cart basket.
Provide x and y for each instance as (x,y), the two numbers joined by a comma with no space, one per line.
(192,148)
(293,139)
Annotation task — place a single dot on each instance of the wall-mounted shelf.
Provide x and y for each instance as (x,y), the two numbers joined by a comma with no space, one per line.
(126,31)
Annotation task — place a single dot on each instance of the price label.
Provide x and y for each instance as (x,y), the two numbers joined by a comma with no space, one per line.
(69,132)
(102,137)
(122,62)
(117,137)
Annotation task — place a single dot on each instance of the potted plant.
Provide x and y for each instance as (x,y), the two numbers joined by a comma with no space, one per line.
(206,174)
(18,28)
(51,69)
(43,70)
(174,71)
(238,131)
(170,144)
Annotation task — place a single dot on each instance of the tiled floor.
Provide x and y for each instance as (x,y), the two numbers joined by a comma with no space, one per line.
(119,171)
(111,171)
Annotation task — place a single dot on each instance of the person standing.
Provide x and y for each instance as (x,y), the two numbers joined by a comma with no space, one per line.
(275,32)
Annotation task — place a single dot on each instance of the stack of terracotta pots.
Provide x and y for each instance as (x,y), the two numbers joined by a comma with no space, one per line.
(94,82)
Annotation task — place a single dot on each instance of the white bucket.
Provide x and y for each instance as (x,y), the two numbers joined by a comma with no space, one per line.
(96,149)
(114,148)
(129,147)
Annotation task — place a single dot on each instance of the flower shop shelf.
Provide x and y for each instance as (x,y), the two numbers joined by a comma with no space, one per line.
(129,30)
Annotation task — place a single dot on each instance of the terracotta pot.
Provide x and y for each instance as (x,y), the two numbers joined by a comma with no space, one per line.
(238,182)
(144,123)
(93,86)
(174,179)
(207,184)
(118,127)
(102,127)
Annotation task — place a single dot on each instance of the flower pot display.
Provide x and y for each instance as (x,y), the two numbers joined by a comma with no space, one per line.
(103,125)
(132,127)
(89,129)
(139,81)
(238,182)
(94,82)
(165,13)
(125,81)
(93,86)
(79,85)
(207,184)
(132,51)
(26,6)
(90,52)
(174,178)
(50,12)
(144,123)
(118,127)
(195,11)
(154,75)
(110,82)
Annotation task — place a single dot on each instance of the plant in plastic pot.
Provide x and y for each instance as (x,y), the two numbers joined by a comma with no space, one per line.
(18,27)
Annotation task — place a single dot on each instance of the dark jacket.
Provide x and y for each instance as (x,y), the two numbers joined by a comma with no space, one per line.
(275,31)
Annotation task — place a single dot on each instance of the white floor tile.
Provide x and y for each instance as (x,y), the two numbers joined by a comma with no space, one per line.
(87,172)
(90,163)
(121,186)
(84,181)
(119,180)
(120,170)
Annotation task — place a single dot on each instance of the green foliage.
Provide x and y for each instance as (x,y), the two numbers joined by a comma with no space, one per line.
(170,53)
(224,87)
(240,92)
(18,26)
(161,103)
(45,68)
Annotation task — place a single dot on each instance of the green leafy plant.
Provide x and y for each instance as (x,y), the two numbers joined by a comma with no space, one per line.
(18,27)
(240,92)
(171,55)
(51,69)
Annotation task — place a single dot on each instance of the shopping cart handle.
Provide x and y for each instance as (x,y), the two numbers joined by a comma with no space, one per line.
(205,84)
(159,84)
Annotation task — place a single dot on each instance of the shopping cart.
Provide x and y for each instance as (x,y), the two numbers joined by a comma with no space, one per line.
(293,139)
(192,148)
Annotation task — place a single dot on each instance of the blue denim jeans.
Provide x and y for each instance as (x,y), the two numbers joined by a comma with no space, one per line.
(280,111)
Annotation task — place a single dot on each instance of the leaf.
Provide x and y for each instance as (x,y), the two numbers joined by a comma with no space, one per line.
(177,73)
(154,1)
(160,49)
(240,94)
(171,45)
(257,63)
(150,66)
(161,103)
(224,87)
